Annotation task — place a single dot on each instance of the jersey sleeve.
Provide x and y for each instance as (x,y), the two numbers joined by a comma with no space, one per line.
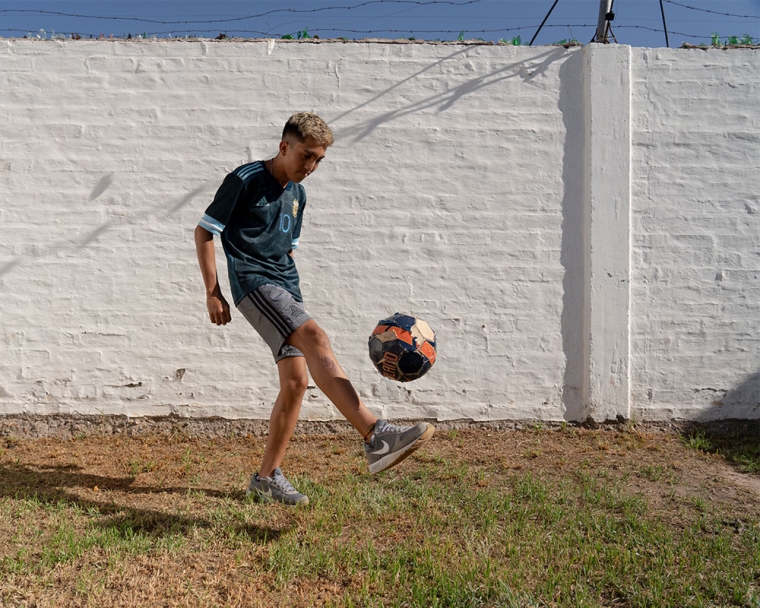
(299,220)
(219,212)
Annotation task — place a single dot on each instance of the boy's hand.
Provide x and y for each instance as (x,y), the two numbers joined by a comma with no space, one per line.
(218,309)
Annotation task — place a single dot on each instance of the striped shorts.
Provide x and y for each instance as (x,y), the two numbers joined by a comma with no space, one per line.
(274,314)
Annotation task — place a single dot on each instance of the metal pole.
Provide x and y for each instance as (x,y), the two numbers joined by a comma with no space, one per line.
(664,24)
(542,23)
(605,6)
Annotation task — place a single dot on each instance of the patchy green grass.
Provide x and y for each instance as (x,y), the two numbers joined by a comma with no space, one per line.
(740,446)
(534,518)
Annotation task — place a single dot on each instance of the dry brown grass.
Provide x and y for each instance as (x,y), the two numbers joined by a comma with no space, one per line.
(163,521)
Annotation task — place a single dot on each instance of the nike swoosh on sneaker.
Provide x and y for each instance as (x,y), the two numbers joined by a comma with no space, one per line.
(383,450)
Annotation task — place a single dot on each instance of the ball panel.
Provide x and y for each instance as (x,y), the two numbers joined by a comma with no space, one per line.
(411,362)
(423,330)
(402,347)
(375,350)
(386,336)
(389,366)
(400,320)
(428,350)
(403,335)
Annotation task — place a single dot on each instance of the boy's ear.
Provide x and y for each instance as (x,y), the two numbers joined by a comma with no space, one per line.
(283,147)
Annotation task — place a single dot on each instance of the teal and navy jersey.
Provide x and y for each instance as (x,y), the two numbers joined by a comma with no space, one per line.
(259,222)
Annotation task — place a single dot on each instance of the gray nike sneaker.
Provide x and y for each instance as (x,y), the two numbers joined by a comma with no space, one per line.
(390,444)
(276,489)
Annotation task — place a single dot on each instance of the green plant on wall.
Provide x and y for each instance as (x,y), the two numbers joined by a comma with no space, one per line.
(731,40)
(300,35)
(565,41)
(516,41)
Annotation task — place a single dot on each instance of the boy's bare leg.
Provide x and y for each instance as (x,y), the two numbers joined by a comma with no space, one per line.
(282,422)
(313,342)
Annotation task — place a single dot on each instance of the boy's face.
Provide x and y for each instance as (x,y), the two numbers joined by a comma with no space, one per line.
(301,158)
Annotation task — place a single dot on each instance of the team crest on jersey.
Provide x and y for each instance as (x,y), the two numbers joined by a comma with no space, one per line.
(295,208)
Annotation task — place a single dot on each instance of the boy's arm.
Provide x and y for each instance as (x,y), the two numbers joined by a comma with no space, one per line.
(218,309)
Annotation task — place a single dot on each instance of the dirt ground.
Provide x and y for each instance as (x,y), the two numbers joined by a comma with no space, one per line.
(149,477)
(147,471)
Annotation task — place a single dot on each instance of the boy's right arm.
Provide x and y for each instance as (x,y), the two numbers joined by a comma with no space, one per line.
(218,309)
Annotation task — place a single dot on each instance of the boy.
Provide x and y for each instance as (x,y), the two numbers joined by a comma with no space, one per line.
(258,212)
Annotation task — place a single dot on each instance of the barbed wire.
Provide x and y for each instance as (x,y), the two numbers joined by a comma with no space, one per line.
(257,16)
(343,32)
(707,10)
(349,31)
(314,10)
(408,33)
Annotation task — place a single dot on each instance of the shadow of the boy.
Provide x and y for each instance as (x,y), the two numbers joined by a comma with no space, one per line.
(52,485)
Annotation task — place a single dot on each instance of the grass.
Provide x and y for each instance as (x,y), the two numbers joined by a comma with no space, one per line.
(740,446)
(535,518)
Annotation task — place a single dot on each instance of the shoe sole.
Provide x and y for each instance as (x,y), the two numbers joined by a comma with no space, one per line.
(391,460)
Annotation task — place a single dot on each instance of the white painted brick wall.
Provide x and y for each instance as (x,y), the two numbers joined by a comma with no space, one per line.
(696,227)
(449,193)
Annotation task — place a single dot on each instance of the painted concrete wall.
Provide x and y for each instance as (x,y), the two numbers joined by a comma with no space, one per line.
(529,203)
(696,234)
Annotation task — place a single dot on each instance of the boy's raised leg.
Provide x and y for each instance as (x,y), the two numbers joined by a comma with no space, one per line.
(385,445)
(313,342)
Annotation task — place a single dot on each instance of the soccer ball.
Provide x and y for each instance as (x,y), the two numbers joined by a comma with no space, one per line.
(402,347)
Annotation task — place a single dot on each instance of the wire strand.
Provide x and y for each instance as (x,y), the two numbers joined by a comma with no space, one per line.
(410,32)
(348,31)
(257,16)
(707,10)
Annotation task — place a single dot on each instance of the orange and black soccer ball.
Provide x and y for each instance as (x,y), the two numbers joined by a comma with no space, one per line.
(402,347)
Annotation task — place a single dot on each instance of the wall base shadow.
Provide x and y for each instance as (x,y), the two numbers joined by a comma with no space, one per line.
(737,440)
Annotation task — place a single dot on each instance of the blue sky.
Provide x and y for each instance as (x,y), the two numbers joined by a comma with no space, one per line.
(637,22)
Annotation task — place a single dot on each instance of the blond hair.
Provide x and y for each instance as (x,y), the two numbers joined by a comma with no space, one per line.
(302,125)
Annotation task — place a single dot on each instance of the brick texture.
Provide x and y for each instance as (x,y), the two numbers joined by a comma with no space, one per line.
(444,196)
(696,235)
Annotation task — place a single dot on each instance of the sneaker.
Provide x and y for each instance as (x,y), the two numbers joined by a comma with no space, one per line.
(390,444)
(276,489)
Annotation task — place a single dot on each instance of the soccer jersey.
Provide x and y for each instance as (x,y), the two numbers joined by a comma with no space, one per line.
(259,223)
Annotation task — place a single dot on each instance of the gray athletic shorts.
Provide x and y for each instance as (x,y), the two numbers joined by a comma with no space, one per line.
(274,314)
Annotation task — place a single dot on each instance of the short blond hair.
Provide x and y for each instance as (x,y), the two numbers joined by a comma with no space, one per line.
(305,124)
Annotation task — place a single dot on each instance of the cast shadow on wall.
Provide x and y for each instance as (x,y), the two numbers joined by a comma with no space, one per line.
(526,70)
(571,105)
(164,211)
(742,402)
(731,427)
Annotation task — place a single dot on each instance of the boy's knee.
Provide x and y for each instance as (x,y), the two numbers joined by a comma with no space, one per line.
(311,334)
(296,384)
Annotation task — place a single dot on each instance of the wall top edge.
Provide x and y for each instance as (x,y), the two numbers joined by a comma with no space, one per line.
(400,41)
(389,41)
